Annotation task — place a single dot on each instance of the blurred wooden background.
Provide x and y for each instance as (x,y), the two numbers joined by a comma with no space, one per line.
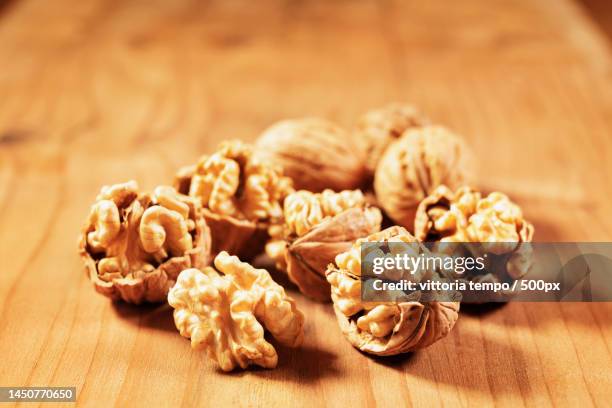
(95,92)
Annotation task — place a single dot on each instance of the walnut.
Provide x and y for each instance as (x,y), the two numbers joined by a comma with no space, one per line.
(135,244)
(384,328)
(379,127)
(241,196)
(224,311)
(318,226)
(414,165)
(315,153)
(493,222)
(276,247)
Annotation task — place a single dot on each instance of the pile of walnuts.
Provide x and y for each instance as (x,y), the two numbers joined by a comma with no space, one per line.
(307,195)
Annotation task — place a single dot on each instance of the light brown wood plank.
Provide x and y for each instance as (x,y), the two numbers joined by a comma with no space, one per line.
(97,92)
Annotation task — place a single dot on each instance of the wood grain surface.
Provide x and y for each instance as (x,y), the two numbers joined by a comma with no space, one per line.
(95,92)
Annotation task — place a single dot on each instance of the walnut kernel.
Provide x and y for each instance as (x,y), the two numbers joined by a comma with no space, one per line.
(493,222)
(224,311)
(241,196)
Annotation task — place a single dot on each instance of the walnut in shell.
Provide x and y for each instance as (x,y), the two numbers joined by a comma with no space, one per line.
(414,165)
(134,244)
(493,225)
(224,311)
(377,128)
(318,226)
(315,153)
(241,196)
(384,328)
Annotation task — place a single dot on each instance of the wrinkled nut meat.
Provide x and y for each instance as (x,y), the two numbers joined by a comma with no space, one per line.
(465,216)
(377,128)
(225,310)
(318,226)
(134,244)
(384,328)
(276,247)
(241,196)
(315,153)
(414,165)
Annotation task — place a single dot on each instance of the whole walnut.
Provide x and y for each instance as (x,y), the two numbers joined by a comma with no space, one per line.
(414,165)
(399,325)
(491,225)
(315,153)
(318,226)
(377,128)
(135,244)
(224,311)
(240,194)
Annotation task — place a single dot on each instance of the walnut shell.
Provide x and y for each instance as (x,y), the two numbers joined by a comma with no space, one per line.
(494,224)
(134,244)
(307,257)
(414,165)
(315,153)
(317,227)
(235,236)
(241,196)
(384,328)
(378,128)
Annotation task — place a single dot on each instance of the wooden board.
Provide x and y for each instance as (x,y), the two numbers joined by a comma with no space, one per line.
(95,92)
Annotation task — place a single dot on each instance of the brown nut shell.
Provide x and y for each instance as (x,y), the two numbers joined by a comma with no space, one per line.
(307,257)
(378,128)
(414,165)
(140,276)
(235,236)
(425,323)
(316,153)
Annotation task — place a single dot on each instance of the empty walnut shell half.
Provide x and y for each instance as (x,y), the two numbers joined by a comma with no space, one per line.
(491,225)
(224,311)
(414,165)
(377,128)
(316,153)
(318,226)
(240,194)
(384,328)
(135,244)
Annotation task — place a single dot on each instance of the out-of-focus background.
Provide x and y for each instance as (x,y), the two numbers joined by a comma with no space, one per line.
(96,92)
(601,13)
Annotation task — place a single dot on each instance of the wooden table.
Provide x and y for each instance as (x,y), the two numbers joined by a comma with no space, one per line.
(95,92)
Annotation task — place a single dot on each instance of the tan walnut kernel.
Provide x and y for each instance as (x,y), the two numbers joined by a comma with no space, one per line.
(465,216)
(135,244)
(396,326)
(276,247)
(224,311)
(316,153)
(414,165)
(318,226)
(241,196)
(377,128)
